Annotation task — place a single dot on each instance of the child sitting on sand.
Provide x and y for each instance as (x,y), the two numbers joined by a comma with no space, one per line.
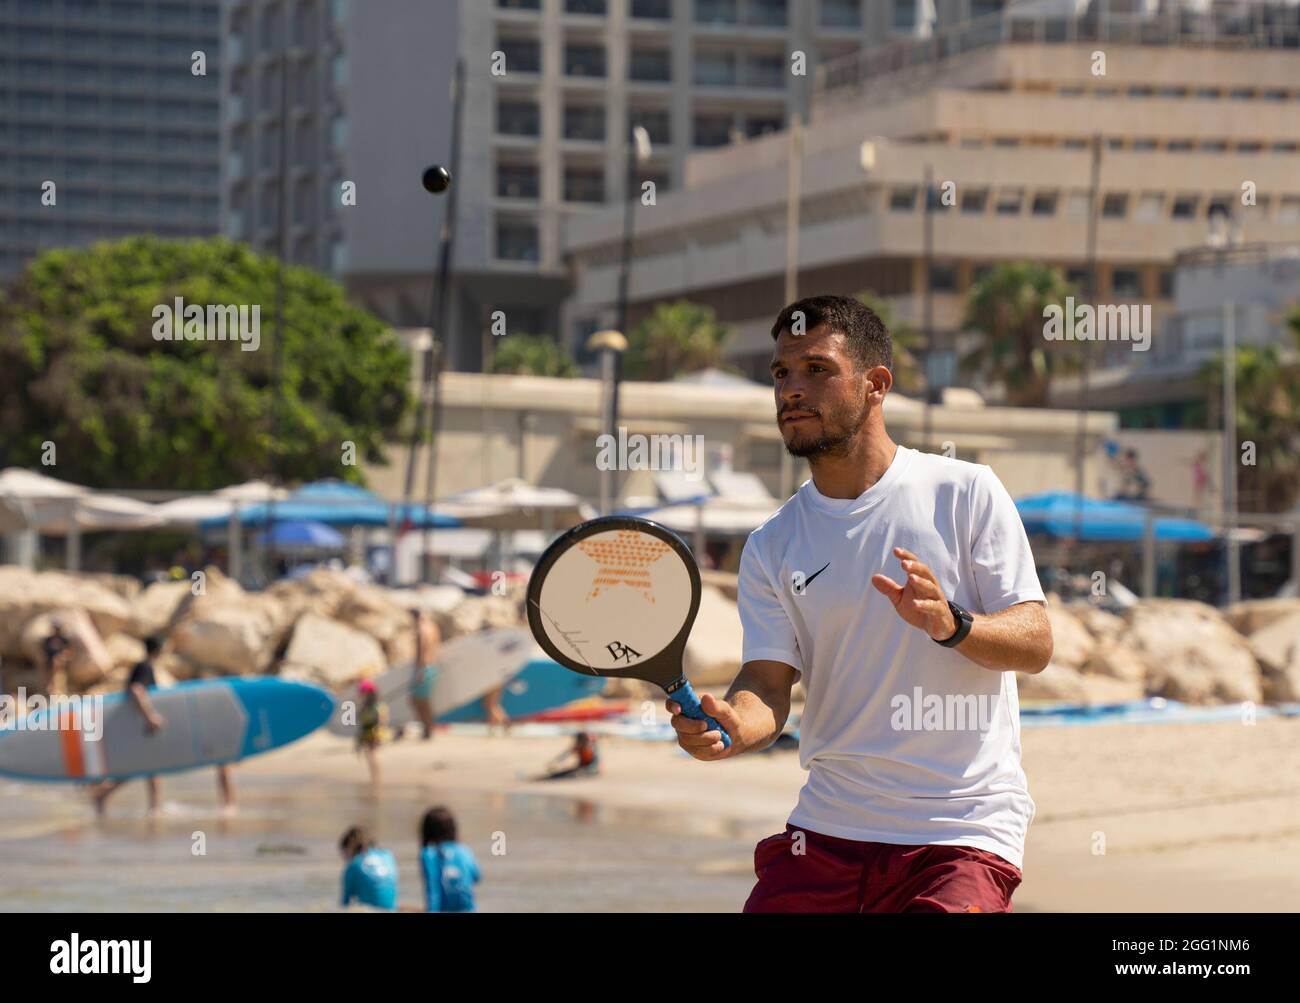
(450,870)
(370,876)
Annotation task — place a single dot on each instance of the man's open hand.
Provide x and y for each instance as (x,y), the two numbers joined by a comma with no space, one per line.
(919,601)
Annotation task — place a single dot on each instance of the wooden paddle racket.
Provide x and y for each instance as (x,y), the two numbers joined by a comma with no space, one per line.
(617,597)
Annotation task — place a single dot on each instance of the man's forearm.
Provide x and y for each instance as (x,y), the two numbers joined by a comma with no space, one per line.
(1018,638)
(763,710)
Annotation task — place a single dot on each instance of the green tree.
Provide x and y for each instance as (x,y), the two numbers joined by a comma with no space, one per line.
(80,367)
(530,355)
(906,342)
(676,338)
(1268,414)
(1006,306)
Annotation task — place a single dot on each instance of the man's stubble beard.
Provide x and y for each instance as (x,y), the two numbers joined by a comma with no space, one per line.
(838,430)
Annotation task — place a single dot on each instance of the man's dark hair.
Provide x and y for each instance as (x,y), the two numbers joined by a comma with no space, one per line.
(438,826)
(152,644)
(865,332)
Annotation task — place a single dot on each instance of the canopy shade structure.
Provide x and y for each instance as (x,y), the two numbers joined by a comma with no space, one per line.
(335,503)
(30,500)
(1053,513)
(716,516)
(305,535)
(516,504)
(218,504)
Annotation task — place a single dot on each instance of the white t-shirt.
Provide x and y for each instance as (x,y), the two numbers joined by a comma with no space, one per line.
(905,741)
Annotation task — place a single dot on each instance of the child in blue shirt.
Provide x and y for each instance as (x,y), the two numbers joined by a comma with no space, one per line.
(450,870)
(370,876)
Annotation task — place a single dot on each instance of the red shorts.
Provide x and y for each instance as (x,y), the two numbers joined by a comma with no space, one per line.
(844,875)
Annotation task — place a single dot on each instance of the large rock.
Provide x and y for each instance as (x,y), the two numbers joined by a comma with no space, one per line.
(1253,615)
(476,613)
(373,610)
(1059,683)
(1071,643)
(90,660)
(153,610)
(124,650)
(321,591)
(239,638)
(1191,652)
(215,590)
(330,652)
(1116,660)
(1101,625)
(713,649)
(127,586)
(1277,648)
(24,595)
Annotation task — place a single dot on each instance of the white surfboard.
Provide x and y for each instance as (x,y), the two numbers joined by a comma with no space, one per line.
(468,667)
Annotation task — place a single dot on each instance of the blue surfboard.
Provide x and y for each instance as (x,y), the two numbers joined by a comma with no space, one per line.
(207,723)
(541,685)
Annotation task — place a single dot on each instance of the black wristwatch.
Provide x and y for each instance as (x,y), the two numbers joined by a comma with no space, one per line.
(964,623)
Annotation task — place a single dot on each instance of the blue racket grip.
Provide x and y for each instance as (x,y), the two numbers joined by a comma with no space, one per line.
(690,704)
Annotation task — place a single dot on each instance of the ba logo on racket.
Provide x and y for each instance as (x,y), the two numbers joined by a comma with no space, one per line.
(622,652)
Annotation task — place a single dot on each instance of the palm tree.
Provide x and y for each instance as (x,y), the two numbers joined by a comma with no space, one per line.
(907,371)
(1007,306)
(1268,414)
(676,338)
(531,355)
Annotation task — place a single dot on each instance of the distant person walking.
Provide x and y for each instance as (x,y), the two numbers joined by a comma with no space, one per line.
(56,651)
(450,870)
(425,675)
(372,719)
(139,685)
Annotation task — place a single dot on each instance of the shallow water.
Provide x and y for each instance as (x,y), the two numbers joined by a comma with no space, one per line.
(279,851)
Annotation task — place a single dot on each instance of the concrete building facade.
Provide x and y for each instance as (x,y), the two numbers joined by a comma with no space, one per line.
(106,128)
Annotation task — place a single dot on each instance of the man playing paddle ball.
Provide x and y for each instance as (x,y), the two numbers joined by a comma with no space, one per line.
(860,586)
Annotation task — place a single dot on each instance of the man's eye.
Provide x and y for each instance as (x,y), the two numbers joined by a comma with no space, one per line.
(814,368)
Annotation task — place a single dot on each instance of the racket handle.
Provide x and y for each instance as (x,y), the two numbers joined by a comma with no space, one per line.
(690,704)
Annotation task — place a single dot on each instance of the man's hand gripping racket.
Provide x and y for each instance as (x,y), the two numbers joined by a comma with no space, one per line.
(617,597)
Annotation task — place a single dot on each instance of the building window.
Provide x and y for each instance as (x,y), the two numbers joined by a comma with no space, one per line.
(1044,204)
(1220,205)
(903,15)
(902,200)
(715,69)
(656,121)
(840,14)
(1144,145)
(1009,202)
(653,10)
(1166,283)
(584,61)
(1184,207)
(518,118)
(522,55)
(520,4)
(974,200)
(943,278)
(584,122)
(584,184)
(765,71)
(650,64)
(517,240)
(711,130)
(1179,145)
(517,181)
(1126,283)
(760,125)
(766,13)
(715,11)
(596,7)
(1114,205)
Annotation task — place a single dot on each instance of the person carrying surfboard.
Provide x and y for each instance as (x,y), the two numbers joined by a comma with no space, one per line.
(915,799)
(427,642)
(139,684)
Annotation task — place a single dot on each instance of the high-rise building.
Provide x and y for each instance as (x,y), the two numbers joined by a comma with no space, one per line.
(552,90)
(109,122)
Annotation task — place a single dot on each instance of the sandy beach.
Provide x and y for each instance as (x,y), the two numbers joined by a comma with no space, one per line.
(1193,816)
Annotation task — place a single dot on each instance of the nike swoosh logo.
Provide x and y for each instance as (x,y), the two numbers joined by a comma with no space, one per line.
(808,581)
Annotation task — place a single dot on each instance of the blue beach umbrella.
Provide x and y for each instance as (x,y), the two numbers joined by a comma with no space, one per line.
(304,533)
(1054,513)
